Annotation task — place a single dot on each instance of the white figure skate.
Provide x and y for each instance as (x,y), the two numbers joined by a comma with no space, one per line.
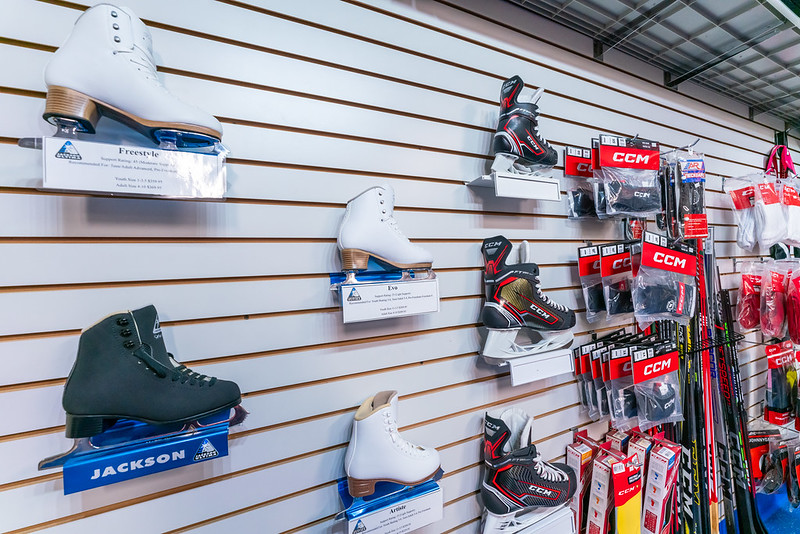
(368,230)
(514,300)
(106,67)
(378,453)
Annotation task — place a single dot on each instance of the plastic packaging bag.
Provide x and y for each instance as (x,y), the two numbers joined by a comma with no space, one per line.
(629,170)
(778,398)
(748,307)
(664,287)
(658,389)
(690,194)
(773,298)
(769,215)
(591,282)
(793,306)
(580,194)
(790,198)
(622,397)
(741,193)
(615,268)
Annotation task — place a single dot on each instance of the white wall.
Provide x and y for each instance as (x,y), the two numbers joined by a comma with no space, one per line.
(319,100)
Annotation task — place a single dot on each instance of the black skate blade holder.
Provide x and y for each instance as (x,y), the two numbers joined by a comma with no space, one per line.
(131,449)
(512,180)
(419,505)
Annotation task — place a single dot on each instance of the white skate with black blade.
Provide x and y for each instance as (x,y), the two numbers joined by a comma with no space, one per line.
(514,301)
(519,488)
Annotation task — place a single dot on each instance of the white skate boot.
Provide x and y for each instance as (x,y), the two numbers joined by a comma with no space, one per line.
(368,229)
(106,67)
(378,453)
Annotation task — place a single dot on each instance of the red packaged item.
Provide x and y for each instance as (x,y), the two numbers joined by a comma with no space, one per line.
(749,305)
(793,307)
(773,298)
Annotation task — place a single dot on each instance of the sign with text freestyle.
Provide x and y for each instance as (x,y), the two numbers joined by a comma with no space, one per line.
(383,300)
(74,165)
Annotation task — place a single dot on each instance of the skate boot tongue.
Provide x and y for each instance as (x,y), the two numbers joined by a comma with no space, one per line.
(149,330)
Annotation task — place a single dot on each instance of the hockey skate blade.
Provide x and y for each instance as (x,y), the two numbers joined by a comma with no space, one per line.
(509,164)
(522,522)
(501,345)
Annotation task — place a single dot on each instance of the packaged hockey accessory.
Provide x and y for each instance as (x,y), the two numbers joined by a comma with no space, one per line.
(627,488)
(770,218)
(773,298)
(580,455)
(790,198)
(764,443)
(591,282)
(779,401)
(773,467)
(615,268)
(741,193)
(107,68)
(621,391)
(748,307)
(598,188)
(369,231)
(657,386)
(691,208)
(664,287)
(633,228)
(518,147)
(514,300)
(600,518)
(378,453)
(629,170)
(577,172)
(599,382)
(793,306)
(779,163)
(661,487)
(517,480)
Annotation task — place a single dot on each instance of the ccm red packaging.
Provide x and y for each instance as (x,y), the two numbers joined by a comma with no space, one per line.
(790,198)
(627,490)
(763,441)
(748,308)
(657,386)
(664,287)
(591,282)
(622,398)
(615,268)
(580,455)
(773,298)
(629,170)
(779,398)
(597,183)
(601,501)
(770,217)
(577,171)
(793,306)
(661,487)
(741,192)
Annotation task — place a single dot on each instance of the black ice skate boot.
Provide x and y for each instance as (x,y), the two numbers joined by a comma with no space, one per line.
(123,370)
(518,482)
(514,300)
(517,146)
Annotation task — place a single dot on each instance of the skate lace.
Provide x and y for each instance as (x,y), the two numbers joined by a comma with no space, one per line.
(181,373)
(403,444)
(547,471)
(548,300)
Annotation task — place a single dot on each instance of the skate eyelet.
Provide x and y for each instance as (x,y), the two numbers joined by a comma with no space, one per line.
(115,26)
(114,14)
(122,321)
(125,332)
(129,344)
(117,39)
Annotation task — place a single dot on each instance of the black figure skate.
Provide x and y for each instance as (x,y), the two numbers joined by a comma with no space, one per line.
(123,371)
(517,146)
(519,487)
(514,300)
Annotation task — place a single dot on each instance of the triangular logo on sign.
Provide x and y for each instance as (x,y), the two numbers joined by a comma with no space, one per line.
(359,527)
(353,296)
(68,151)
(206,451)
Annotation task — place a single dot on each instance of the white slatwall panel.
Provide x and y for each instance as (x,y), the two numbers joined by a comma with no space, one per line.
(319,100)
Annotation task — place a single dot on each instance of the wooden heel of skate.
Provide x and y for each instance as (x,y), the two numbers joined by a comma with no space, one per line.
(70,104)
(354,259)
(360,488)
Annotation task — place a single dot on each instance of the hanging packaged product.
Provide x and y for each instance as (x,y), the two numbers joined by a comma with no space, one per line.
(790,198)
(591,282)
(770,218)
(779,163)
(779,401)
(741,192)
(690,194)
(655,378)
(793,472)
(793,306)
(615,268)
(763,440)
(664,287)
(621,391)
(577,172)
(587,368)
(748,307)
(598,189)
(629,170)
(599,383)
(773,298)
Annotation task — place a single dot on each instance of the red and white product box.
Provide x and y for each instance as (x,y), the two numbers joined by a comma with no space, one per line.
(640,446)
(619,440)
(579,457)
(662,476)
(600,497)
(578,162)
(779,356)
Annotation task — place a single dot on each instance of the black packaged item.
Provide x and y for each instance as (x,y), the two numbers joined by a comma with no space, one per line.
(599,383)
(764,440)
(629,171)
(690,170)
(793,471)
(779,403)
(615,269)
(598,188)
(664,286)
(622,398)
(657,386)
(577,172)
(591,282)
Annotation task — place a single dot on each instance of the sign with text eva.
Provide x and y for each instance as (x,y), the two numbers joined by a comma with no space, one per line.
(75,165)
(384,300)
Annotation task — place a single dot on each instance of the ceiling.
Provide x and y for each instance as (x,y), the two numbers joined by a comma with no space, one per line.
(748,50)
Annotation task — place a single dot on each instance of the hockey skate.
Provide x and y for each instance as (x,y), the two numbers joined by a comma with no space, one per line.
(517,146)
(369,231)
(106,67)
(124,373)
(514,300)
(378,453)
(519,488)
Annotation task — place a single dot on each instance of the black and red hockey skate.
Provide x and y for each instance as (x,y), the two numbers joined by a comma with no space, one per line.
(514,300)
(517,145)
(518,486)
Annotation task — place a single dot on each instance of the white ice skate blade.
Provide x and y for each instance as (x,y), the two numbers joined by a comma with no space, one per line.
(535,521)
(516,181)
